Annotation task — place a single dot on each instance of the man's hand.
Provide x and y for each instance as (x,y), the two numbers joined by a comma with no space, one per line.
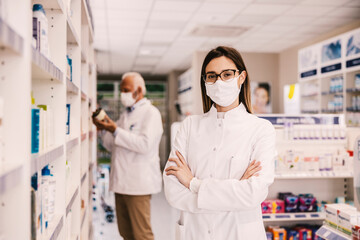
(107,124)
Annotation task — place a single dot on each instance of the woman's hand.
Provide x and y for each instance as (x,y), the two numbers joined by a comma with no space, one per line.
(252,170)
(182,171)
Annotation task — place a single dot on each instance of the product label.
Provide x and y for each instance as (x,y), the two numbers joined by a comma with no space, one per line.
(331,68)
(353,62)
(308,73)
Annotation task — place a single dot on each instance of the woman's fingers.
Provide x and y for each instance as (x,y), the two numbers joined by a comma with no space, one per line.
(255,170)
(175,160)
(182,160)
(173,168)
(171,172)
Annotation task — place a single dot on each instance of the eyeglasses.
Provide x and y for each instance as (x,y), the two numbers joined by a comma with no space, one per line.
(225,75)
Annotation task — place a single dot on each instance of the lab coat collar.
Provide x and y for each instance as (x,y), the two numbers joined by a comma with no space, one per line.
(138,104)
(238,111)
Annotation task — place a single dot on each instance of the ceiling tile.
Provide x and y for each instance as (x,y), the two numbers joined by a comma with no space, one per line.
(353,3)
(182,6)
(142,60)
(170,16)
(166,24)
(346,12)
(228,8)
(292,20)
(304,10)
(138,5)
(143,69)
(266,9)
(127,16)
(278,1)
(152,50)
(324,2)
(252,19)
(211,18)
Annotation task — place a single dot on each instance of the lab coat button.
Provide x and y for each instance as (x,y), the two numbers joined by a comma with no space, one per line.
(209,232)
(214,149)
(219,124)
(211,175)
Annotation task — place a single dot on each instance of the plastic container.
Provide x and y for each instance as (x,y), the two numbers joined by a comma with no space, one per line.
(40,15)
(99,114)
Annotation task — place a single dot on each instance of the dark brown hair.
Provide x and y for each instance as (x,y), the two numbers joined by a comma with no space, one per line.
(234,55)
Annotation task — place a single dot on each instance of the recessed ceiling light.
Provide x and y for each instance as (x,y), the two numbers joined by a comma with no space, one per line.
(145,52)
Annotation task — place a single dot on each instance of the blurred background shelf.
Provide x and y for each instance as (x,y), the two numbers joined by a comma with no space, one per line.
(40,160)
(10,39)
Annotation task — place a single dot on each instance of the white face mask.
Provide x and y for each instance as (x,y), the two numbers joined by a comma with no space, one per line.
(127,99)
(223,93)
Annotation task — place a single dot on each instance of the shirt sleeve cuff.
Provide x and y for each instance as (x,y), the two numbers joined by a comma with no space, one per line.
(195,185)
(116,132)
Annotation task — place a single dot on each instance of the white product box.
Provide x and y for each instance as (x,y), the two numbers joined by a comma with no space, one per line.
(332,211)
(347,218)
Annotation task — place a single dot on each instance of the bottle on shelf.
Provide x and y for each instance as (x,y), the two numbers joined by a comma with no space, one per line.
(35,127)
(48,185)
(41,25)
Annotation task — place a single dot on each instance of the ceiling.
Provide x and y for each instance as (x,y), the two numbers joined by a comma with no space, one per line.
(154,36)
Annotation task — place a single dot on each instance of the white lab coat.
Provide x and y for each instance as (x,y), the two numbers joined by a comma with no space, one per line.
(218,151)
(135,161)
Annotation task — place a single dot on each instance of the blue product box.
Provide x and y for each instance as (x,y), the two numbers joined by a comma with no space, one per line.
(68,119)
(35,130)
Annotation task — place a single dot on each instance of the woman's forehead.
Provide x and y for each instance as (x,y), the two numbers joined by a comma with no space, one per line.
(219,64)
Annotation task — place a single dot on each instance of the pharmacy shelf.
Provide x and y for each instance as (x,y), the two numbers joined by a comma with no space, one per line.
(71,87)
(310,95)
(86,17)
(9,39)
(83,56)
(69,205)
(320,175)
(330,233)
(353,90)
(83,137)
(284,217)
(351,109)
(83,96)
(331,111)
(10,178)
(83,178)
(309,79)
(352,69)
(310,112)
(332,93)
(43,68)
(83,217)
(314,142)
(72,35)
(40,160)
(52,4)
(54,228)
(72,143)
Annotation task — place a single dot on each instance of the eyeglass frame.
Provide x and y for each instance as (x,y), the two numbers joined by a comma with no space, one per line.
(219,75)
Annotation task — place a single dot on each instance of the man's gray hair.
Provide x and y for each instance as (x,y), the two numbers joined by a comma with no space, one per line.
(138,80)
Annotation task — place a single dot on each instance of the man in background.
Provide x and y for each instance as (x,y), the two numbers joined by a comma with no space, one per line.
(135,163)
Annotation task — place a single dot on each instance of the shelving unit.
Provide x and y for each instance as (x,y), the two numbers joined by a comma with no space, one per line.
(294,217)
(26,73)
(330,233)
(295,177)
(319,98)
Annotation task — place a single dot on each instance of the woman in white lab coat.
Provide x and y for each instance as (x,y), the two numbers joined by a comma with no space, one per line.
(211,175)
